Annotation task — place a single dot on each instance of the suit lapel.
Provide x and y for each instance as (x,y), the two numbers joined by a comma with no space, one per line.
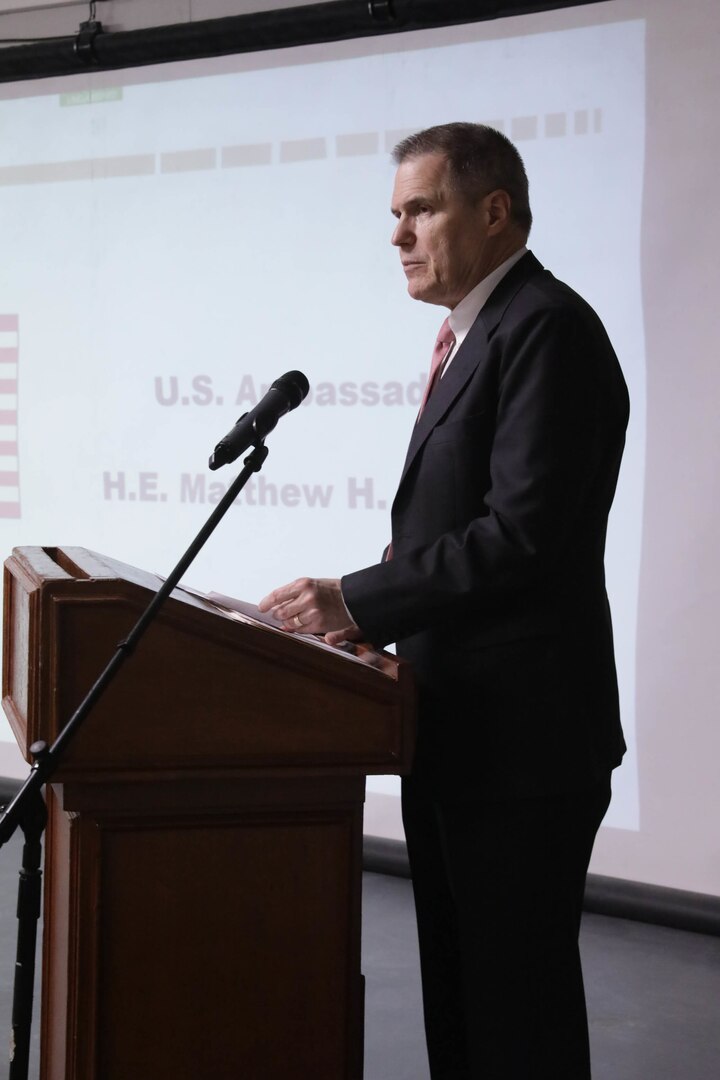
(464,363)
(470,355)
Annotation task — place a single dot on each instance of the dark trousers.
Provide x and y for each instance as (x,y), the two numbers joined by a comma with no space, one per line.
(498,894)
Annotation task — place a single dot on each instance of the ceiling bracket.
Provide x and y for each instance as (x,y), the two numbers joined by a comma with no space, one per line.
(382,11)
(84,47)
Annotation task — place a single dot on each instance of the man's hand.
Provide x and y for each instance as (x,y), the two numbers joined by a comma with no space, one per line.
(313,606)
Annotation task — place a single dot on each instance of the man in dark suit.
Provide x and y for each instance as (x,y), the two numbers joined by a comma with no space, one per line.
(494,588)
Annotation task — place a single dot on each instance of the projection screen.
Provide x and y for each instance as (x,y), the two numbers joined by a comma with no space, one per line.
(176,237)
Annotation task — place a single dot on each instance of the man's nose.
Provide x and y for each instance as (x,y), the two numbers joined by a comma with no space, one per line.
(402,235)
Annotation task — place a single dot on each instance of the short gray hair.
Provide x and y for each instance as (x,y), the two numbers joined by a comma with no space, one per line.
(481,160)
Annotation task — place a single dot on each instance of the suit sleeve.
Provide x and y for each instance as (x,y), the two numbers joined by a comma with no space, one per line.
(561,410)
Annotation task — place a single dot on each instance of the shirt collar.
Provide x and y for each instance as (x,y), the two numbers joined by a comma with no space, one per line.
(466,312)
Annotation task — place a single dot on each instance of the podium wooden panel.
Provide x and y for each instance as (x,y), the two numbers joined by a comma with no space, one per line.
(203,856)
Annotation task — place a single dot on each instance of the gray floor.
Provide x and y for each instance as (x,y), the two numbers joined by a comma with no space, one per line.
(653,993)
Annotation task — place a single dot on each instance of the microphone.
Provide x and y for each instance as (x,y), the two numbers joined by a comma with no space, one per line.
(285,394)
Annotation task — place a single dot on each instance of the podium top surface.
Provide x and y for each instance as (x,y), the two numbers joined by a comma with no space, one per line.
(212,681)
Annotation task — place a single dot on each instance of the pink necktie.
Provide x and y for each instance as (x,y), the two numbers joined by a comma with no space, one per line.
(443,345)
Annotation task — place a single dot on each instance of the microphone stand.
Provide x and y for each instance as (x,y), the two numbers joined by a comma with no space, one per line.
(27,809)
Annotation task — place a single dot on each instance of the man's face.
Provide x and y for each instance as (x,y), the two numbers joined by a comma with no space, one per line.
(442,236)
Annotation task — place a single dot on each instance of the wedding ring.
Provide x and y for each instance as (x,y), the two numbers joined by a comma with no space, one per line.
(298,621)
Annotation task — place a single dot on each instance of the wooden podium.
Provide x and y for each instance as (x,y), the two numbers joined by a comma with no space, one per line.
(203,856)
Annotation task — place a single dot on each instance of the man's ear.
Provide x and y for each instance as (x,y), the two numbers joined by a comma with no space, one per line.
(498,206)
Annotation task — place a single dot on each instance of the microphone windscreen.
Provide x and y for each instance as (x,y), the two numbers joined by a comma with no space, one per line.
(294,385)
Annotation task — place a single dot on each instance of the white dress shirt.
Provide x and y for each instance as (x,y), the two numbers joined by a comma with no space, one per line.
(466,312)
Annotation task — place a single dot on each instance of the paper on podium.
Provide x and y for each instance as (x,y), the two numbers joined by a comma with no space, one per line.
(248,613)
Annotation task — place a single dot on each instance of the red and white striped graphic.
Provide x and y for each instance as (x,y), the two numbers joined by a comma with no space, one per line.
(9,463)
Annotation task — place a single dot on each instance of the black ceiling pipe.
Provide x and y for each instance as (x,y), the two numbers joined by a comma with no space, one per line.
(91,49)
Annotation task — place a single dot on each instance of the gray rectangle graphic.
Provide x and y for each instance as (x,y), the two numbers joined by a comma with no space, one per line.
(178,161)
(250,154)
(303,150)
(357,145)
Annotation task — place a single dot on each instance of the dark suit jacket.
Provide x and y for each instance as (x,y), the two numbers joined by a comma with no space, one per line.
(496,587)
